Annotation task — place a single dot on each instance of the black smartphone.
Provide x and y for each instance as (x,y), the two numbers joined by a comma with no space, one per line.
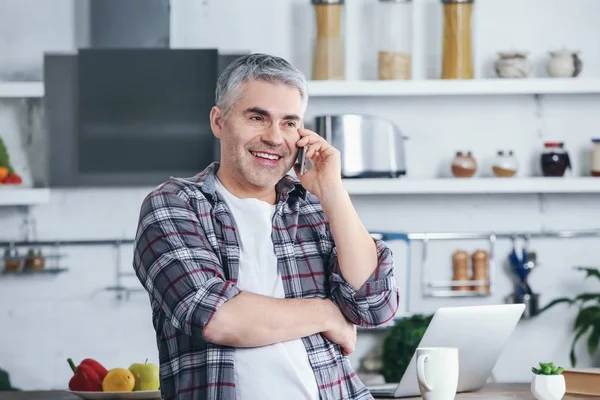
(301,159)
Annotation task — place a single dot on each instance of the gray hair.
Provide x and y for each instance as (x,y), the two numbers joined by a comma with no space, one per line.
(252,67)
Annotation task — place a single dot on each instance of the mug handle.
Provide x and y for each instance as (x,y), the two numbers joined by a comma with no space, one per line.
(421,371)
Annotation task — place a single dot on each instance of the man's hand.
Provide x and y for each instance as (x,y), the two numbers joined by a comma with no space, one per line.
(325,176)
(342,331)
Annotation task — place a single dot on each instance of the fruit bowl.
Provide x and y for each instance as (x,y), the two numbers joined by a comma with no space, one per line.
(139,395)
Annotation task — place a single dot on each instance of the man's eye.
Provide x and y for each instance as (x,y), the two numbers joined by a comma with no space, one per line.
(256,118)
(291,124)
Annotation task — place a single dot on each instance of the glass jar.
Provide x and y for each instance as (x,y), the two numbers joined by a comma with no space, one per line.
(328,53)
(555,159)
(596,157)
(505,164)
(394,58)
(464,165)
(457,58)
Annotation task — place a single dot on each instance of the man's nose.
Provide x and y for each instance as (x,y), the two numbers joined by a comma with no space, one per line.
(273,135)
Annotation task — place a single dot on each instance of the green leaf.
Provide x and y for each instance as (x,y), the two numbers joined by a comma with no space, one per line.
(559,370)
(579,333)
(5,382)
(590,272)
(587,316)
(547,370)
(555,302)
(593,339)
(536,371)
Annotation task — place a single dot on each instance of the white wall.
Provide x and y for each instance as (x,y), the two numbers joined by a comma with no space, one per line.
(44,320)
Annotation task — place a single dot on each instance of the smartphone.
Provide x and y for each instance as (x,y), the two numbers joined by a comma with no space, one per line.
(301,159)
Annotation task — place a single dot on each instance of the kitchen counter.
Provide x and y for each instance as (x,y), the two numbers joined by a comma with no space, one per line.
(498,391)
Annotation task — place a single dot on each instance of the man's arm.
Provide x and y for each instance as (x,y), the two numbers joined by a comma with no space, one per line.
(362,277)
(356,250)
(176,264)
(252,320)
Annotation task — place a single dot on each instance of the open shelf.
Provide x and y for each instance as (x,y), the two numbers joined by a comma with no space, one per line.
(21,89)
(438,87)
(472,185)
(45,271)
(374,88)
(15,196)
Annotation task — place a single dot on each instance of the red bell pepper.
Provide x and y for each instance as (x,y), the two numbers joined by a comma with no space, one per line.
(96,366)
(85,378)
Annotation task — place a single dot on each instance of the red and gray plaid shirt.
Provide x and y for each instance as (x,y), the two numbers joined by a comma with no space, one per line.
(187,257)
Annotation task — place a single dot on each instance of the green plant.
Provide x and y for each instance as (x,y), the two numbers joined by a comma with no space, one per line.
(547,369)
(400,343)
(588,317)
(5,385)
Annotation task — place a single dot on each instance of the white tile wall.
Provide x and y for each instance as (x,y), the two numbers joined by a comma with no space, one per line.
(44,320)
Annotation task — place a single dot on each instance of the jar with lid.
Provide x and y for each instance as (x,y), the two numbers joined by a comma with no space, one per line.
(555,159)
(464,165)
(457,58)
(394,58)
(596,157)
(328,53)
(505,164)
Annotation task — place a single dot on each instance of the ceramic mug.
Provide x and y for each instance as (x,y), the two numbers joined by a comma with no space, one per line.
(437,372)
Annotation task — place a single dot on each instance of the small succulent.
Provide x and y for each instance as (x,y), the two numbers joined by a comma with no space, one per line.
(547,369)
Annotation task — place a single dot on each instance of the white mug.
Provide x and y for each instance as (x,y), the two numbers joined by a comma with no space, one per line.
(437,372)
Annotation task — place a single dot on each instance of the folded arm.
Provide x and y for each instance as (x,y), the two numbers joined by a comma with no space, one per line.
(178,267)
(362,269)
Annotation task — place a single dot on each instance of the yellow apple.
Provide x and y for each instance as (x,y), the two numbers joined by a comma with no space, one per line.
(147,376)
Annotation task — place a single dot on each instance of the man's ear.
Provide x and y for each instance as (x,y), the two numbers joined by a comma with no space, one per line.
(217,119)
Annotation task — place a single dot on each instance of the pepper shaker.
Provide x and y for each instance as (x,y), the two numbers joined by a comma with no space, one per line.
(480,271)
(460,266)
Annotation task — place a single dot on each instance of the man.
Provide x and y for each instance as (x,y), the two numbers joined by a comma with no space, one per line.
(257,279)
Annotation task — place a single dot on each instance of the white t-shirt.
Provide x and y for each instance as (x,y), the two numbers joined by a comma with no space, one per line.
(278,371)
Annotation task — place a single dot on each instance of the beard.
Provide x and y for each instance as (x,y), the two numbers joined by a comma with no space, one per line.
(240,161)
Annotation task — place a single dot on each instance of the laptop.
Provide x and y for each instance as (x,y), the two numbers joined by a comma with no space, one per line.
(478,332)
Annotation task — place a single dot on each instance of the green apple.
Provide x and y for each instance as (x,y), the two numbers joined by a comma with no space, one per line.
(147,376)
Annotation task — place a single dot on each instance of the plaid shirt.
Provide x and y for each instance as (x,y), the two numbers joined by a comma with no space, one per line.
(187,257)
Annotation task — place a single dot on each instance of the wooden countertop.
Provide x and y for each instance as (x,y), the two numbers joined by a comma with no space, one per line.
(496,391)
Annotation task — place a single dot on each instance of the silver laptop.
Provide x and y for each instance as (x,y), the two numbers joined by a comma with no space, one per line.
(478,332)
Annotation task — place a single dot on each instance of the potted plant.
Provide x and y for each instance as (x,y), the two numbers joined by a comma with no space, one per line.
(400,343)
(588,317)
(548,382)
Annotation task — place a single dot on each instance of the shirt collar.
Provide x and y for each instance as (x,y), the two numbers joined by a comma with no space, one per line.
(288,187)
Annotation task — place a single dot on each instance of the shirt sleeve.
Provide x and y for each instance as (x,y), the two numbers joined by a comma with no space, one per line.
(377,301)
(175,263)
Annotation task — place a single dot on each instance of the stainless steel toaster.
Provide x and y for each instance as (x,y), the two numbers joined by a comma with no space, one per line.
(370,146)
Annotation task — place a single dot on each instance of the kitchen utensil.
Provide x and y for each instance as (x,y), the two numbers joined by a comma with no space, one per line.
(531,302)
(518,260)
(370,146)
